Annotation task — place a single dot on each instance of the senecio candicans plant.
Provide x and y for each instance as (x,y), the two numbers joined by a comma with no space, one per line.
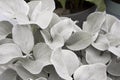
(37,44)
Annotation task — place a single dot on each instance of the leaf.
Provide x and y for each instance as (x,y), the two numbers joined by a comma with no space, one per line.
(23,36)
(41,14)
(91,72)
(53,43)
(60,60)
(95,56)
(8,52)
(11,8)
(79,40)
(101,43)
(94,22)
(5,29)
(8,74)
(63,28)
(114,67)
(23,73)
(41,58)
(115,29)
(100,4)
(115,50)
(109,21)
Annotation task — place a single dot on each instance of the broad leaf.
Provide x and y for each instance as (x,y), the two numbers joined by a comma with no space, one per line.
(79,40)
(94,22)
(41,13)
(64,28)
(101,43)
(12,8)
(95,56)
(23,73)
(41,58)
(53,43)
(60,60)
(91,72)
(115,29)
(109,21)
(5,29)
(8,52)
(23,36)
(115,50)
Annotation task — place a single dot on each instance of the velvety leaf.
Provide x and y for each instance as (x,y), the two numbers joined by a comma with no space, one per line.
(100,4)
(23,73)
(8,74)
(60,60)
(5,29)
(23,36)
(55,20)
(79,40)
(8,52)
(115,50)
(91,72)
(53,43)
(64,28)
(95,56)
(94,22)
(42,14)
(41,58)
(101,43)
(109,21)
(115,29)
(12,8)
(114,67)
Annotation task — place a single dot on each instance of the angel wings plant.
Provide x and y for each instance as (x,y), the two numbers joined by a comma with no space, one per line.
(37,44)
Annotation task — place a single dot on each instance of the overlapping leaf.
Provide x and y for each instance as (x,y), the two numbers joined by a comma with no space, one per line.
(91,72)
(60,60)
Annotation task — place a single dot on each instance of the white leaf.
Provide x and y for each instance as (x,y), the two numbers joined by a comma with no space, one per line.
(95,56)
(79,40)
(101,43)
(94,22)
(64,28)
(109,21)
(8,52)
(23,73)
(41,55)
(5,29)
(9,74)
(114,50)
(60,60)
(11,8)
(70,60)
(91,72)
(53,43)
(55,20)
(40,16)
(23,36)
(115,29)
